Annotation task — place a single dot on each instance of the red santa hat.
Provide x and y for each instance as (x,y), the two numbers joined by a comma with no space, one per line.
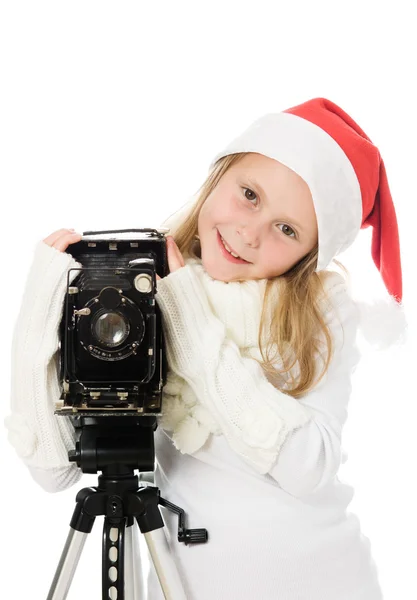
(349,187)
(348,183)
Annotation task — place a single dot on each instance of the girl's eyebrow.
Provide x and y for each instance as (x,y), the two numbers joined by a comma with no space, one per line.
(258,188)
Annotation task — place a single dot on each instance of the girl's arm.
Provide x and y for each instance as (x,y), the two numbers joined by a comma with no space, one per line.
(261,423)
(41,439)
(312,455)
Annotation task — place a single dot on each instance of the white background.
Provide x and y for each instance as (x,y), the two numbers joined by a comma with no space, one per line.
(110,113)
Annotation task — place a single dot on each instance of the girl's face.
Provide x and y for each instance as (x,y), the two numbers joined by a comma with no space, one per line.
(265,213)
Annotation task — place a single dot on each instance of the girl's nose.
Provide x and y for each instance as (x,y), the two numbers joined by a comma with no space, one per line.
(249,235)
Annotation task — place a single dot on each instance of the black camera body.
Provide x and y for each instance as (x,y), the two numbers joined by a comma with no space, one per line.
(112,349)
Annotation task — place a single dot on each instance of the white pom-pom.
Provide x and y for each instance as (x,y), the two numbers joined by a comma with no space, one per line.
(174,384)
(383,322)
(190,435)
(173,412)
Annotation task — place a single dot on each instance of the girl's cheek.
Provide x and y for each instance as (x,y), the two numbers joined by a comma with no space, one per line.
(235,205)
(237,200)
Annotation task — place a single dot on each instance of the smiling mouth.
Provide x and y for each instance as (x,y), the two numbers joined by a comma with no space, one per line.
(228,248)
(230,251)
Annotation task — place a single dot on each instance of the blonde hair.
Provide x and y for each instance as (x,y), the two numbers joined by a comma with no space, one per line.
(291,326)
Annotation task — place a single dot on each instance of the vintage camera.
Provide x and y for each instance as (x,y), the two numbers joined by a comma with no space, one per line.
(112,349)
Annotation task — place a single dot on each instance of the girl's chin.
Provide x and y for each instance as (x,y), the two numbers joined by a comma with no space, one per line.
(213,268)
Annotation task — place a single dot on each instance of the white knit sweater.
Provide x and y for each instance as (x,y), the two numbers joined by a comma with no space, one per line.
(217,387)
(214,385)
(40,438)
(224,415)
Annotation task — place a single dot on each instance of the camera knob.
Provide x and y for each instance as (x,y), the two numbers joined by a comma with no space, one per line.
(143,283)
(82,311)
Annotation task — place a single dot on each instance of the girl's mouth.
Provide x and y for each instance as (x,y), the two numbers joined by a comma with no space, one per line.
(227,255)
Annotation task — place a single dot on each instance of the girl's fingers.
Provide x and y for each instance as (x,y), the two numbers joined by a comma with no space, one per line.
(176,255)
(62,238)
(63,242)
(51,239)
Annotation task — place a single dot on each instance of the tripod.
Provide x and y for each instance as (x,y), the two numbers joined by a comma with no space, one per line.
(117,446)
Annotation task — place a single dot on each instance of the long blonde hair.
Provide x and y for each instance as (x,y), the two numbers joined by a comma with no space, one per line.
(296,319)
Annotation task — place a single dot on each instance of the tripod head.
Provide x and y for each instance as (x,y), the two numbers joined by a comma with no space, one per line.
(114,445)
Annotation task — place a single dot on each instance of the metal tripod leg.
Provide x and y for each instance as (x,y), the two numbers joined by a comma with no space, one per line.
(160,555)
(67,565)
(161,560)
(165,567)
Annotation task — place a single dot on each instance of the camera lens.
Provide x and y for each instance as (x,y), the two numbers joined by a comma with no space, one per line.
(111,329)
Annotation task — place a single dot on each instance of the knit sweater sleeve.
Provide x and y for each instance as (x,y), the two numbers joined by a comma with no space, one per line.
(40,438)
(297,442)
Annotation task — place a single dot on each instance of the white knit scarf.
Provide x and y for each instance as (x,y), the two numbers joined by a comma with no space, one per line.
(238,305)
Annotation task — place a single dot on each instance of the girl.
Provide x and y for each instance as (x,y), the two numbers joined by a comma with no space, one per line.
(261,346)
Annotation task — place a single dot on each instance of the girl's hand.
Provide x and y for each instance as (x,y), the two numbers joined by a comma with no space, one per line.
(175,259)
(62,238)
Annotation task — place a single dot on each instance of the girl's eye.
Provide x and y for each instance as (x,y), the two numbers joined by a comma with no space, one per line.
(248,190)
(283,224)
(291,229)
